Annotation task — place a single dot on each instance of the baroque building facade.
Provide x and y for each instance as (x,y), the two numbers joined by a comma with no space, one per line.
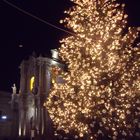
(37,77)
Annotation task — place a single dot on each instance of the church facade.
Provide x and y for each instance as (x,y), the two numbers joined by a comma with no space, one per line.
(37,77)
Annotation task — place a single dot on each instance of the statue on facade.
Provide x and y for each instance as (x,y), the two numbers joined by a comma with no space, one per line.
(14,88)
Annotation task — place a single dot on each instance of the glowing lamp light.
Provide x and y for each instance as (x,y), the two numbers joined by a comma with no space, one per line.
(3,117)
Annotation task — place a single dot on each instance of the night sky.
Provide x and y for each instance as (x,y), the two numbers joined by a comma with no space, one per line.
(18,29)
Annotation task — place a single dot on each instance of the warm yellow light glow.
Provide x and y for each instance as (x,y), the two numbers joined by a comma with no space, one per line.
(101,94)
(53,81)
(32,80)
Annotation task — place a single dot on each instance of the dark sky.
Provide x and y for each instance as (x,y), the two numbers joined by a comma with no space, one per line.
(17,29)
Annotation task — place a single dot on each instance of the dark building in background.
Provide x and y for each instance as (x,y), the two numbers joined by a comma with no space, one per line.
(26,116)
(8,117)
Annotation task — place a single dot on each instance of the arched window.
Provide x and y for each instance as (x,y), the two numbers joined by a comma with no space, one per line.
(32,80)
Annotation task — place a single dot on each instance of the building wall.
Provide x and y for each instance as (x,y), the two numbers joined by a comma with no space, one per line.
(8,125)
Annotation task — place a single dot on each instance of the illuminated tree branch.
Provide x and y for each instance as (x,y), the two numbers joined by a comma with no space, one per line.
(100,98)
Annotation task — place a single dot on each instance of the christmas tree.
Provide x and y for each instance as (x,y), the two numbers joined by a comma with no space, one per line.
(100,98)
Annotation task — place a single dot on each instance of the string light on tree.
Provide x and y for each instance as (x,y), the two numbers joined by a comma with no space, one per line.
(101,94)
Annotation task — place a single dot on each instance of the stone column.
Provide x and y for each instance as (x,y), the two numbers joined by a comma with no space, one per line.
(41,96)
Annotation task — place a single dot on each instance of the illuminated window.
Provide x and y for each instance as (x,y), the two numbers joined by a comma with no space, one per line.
(32,83)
